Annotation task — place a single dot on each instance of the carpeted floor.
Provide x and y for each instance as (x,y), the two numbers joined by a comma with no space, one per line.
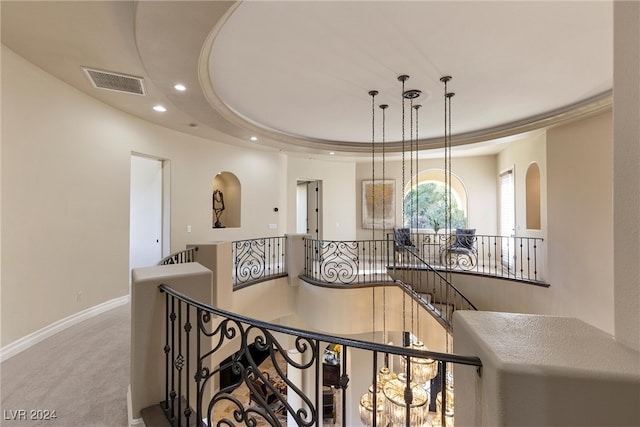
(81,373)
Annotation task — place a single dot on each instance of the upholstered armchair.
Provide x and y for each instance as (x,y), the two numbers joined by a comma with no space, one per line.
(402,241)
(460,251)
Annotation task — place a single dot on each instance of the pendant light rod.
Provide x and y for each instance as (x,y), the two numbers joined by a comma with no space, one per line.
(384,107)
(373,94)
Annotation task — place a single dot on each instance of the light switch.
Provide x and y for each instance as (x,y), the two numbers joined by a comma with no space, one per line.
(188,229)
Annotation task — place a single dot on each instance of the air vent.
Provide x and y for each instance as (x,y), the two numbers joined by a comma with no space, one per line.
(115,81)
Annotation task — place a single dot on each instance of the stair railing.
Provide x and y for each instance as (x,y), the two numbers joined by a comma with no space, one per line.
(180,257)
(195,333)
(421,280)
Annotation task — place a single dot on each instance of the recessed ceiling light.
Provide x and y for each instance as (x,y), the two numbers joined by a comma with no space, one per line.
(254,138)
(331,153)
(180,87)
(159,108)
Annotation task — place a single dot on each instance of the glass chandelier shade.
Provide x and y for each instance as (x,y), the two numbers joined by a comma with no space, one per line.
(367,407)
(366,401)
(422,370)
(396,406)
(448,410)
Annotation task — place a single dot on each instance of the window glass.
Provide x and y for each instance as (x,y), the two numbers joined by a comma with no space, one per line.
(425,205)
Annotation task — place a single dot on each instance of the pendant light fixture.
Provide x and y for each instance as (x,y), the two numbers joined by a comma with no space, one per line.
(371,406)
(401,399)
(398,405)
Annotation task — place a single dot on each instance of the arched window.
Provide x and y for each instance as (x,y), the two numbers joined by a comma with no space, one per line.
(425,203)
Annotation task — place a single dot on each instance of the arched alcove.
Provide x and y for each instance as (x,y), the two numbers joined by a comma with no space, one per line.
(533,196)
(225,195)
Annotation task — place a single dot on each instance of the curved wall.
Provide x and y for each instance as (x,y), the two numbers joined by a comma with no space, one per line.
(65,195)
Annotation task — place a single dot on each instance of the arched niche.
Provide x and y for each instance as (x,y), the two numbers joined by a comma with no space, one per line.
(533,196)
(225,192)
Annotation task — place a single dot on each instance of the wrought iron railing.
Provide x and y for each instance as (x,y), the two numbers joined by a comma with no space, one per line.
(187,255)
(194,335)
(256,260)
(515,258)
(347,262)
(430,286)
(369,262)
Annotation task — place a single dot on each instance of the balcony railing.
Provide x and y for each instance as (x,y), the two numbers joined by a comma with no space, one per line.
(515,258)
(195,334)
(353,262)
(180,257)
(367,261)
(256,260)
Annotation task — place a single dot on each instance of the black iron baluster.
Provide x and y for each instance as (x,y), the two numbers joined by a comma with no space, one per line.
(167,348)
(187,329)
(521,258)
(498,259)
(375,389)
(318,363)
(198,376)
(535,259)
(344,383)
(408,393)
(172,394)
(528,258)
(443,390)
(178,364)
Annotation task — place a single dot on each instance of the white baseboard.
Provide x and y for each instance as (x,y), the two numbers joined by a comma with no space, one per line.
(34,338)
(133,422)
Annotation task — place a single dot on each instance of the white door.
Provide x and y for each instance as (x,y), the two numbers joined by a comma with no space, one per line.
(507,218)
(301,207)
(145,226)
(314,209)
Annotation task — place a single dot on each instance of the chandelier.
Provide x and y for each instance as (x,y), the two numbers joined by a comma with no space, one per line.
(396,403)
(367,403)
(422,370)
(448,409)
(391,399)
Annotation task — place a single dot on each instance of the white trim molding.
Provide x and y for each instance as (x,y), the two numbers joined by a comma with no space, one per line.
(34,338)
(133,422)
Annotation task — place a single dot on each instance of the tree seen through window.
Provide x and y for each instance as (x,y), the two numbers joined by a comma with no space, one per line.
(429,210)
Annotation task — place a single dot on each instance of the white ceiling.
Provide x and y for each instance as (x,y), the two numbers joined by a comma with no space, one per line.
(297,73)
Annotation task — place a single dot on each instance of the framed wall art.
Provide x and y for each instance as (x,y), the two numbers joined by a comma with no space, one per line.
(378,203)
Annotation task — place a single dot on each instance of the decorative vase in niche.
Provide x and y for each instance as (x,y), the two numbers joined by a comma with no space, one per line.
(218,207)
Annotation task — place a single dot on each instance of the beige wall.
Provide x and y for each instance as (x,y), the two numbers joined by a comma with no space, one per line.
(580,220)
(65,200)
(626,107)
(338,194)
(520,155)
(65,195)
(476,173)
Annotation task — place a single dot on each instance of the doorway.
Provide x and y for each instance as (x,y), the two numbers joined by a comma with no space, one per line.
(147,218)
(507,218)
(309,208)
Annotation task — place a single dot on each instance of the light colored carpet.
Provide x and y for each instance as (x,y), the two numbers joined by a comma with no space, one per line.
(82,373)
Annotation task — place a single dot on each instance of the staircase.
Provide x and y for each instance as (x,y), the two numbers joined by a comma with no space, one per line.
(430,287)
